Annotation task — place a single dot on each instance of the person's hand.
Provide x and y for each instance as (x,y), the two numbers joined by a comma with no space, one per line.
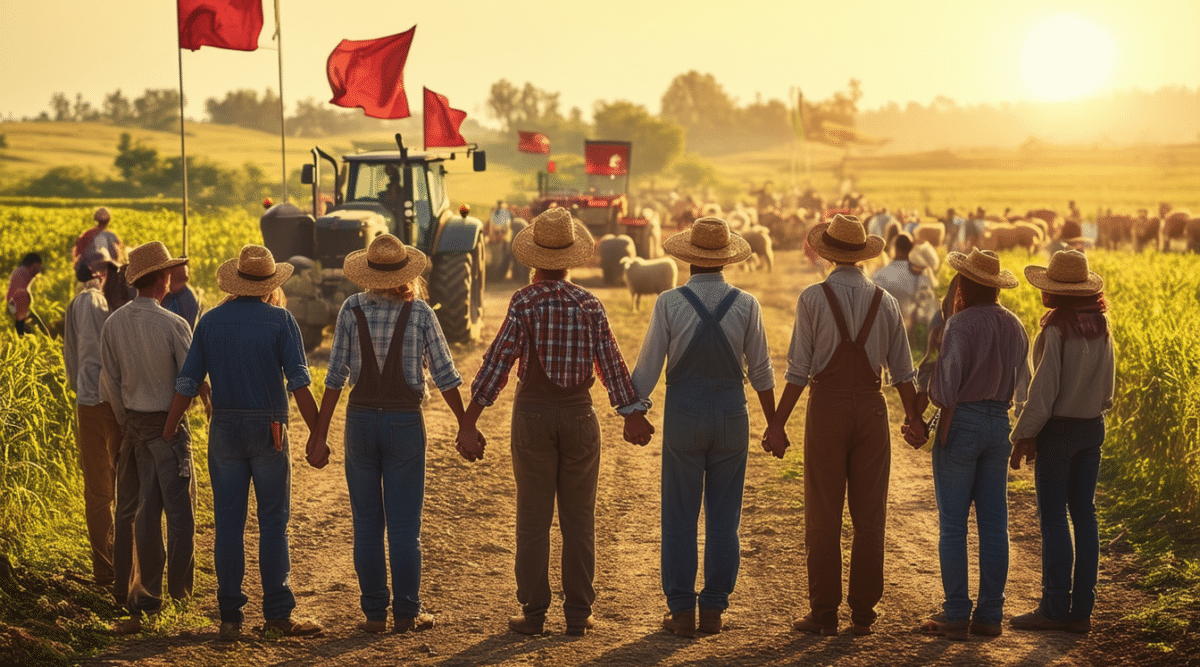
(316,451)
(922,403)
(915,432)
(775,441)
(638,429)
(470,443)
(1025,448)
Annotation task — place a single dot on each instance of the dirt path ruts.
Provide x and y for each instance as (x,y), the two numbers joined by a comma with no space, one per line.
(468,542)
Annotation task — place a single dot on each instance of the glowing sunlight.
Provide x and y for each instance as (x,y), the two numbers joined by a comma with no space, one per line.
(1066,56)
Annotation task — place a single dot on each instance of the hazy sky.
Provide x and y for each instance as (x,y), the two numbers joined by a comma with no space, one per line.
(967,50)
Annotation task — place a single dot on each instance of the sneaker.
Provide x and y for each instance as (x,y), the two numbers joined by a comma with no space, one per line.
(581,628)
(682,623)
(373,627)
(230,631)
(293,627)
(985,629)
(710,620)
(939,626)
(413,623)
(527,625)
(1036,620)
(807,624)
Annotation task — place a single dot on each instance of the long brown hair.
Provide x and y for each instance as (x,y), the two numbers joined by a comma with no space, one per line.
(971,293)
(1076,316)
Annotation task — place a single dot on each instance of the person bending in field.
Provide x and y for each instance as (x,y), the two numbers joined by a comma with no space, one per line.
(1061,425)
(847,332)
(18,299)
(247,348)
(561,335)
(143,347)
(704,330)
(98,434)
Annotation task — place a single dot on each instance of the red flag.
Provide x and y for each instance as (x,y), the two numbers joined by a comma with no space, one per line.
(533,142)
(441,122)
(606,158)
(225,24)
(369,73)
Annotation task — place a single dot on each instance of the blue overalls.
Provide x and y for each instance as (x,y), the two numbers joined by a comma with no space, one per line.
(706,434)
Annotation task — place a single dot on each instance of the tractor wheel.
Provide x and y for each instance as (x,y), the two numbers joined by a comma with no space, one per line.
(456,294)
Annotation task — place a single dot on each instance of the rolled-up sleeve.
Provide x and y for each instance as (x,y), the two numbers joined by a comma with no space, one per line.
(899,355)
(437,355)
(800,351)
(498,360)
(758,355)
(652,356)
(195,366)
(341,352)
(295,363)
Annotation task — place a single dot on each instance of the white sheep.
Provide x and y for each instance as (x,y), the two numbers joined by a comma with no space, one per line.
(612,250)
(759,238)
(649,276)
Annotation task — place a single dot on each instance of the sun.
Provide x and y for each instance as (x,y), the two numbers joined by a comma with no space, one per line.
(1066,56)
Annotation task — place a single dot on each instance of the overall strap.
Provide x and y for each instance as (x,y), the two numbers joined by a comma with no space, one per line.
(698,305)
(837,311)
(726,304)
(366,348)
(870,320)
(394,364)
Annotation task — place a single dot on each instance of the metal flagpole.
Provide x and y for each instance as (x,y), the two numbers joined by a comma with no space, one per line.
(183,251)
(282,114)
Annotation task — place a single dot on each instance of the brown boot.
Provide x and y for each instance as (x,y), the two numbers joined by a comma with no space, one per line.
(683,623)
(710,620)
(413,623)
(527,625)
(807,624)
(581,628)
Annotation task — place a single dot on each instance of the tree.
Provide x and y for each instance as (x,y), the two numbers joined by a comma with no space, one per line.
(523,108)
(656,142)
(117,108)
(244,109)
(83,110)
(158,109)
(700,105)
(61,106)
(137,162)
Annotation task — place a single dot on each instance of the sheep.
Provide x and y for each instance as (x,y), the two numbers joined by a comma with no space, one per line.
(649,276)
(611,250)
(759,238)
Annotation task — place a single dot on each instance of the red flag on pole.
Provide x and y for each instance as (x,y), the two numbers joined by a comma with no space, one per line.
(606,158)
(225,24)
(441,122)
(533,142)
(369,73)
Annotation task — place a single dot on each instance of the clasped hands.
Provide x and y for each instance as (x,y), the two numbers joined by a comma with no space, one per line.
(1025,448)
(775,441)
(915,432)
(470,443)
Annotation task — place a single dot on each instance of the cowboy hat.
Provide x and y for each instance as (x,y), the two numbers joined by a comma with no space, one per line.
(554,240)
(1067,275)
(708,242)
(254,273)
(844,239)
(982,266)
(384,264)
(148,258)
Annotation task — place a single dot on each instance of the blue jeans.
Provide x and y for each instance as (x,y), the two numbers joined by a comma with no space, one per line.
(971,466)
(385,470)
(241,451)
(1068,463)
(706,434)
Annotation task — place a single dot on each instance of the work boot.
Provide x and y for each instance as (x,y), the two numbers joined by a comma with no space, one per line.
(682,623)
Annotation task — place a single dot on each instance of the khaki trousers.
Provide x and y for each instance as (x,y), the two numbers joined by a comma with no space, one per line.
(99,440)
(556,453)
(847,455)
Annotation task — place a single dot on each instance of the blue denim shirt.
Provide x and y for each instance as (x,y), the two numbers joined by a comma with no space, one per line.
(247,348)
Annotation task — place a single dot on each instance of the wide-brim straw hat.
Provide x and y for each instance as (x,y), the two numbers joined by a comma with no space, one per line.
(924,256)
(148,258)
(554,240)
(254,273)
(844,239)
(708,242)
(982,266)
(386,263)
(1068,275)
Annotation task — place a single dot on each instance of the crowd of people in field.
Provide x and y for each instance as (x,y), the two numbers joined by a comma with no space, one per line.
(138,359)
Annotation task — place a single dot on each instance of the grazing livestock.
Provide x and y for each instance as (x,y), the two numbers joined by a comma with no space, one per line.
(929,232)
(759,238)
(649,276)
(612,250)
(1174,225)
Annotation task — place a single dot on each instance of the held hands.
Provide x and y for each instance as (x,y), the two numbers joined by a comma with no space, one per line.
(1024,448)
(915,432)
(775,441)
(316,451)
(470,443)
(638,429)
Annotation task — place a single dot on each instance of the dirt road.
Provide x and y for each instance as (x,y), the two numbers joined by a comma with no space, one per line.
(468,543)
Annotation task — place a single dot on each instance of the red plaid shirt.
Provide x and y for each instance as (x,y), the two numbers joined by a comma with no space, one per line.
(570,335)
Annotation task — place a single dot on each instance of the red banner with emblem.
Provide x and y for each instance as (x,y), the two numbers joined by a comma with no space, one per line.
(533,142)
(606,158)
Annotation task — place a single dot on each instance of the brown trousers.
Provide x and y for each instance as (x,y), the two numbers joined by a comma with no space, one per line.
(99,440)
(556,452)
(847,454)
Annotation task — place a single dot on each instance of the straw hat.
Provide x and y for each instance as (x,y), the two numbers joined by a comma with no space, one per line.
(1067,274)
(148,258)
(253,273)
(982,266)
(708,242)
(386,263)
(553,241)
(924,256)
(844,239)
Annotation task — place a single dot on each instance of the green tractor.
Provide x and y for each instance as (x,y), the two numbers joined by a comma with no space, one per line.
(400,192)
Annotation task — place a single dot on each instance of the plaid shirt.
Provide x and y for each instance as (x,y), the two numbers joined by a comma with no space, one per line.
(570,335)
(424,344)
